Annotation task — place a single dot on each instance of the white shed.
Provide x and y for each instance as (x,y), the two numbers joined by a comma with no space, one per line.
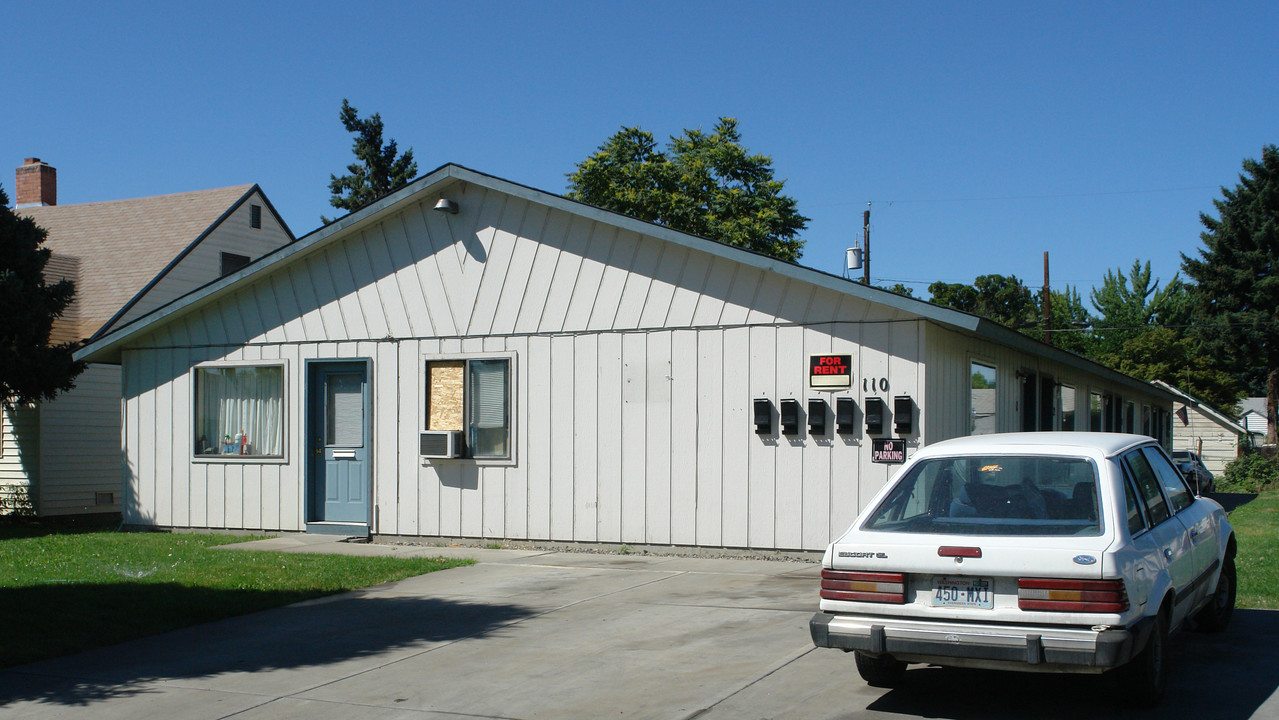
(597,379)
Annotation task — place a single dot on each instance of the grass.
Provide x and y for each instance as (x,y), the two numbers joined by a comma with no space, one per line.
(1256,527)
(64,592)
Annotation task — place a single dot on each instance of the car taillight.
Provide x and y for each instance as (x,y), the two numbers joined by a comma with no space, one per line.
(863,586)
(1072,595)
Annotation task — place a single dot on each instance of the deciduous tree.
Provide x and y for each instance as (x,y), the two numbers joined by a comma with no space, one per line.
(704,184)
(1002,298)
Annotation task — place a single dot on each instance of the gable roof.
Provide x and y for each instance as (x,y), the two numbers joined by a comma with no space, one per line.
(106,348)
(1253,405)
(1204,408)
(122,247)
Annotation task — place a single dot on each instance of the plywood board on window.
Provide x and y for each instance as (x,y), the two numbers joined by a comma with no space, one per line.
(445,391)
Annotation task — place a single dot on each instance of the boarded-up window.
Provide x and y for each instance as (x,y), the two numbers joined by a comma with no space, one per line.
(444,395)
(473,395)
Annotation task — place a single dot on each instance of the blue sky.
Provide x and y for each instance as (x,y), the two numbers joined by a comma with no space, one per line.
(982,134)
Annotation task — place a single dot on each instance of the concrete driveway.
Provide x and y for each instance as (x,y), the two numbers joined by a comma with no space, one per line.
(529,635)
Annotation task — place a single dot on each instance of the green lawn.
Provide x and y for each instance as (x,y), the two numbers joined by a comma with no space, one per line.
(65,592)
(1256,527)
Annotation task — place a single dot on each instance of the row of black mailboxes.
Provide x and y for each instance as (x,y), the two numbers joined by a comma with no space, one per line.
(845,415)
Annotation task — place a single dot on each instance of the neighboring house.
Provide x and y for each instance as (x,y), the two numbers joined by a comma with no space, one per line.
(1203,429)
(470,357)
(127,257)
(1253,416)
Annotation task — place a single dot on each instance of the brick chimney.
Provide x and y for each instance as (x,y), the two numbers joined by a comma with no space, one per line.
(37,184)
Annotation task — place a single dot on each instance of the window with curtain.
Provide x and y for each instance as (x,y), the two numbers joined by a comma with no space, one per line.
(474,396)
(239,411)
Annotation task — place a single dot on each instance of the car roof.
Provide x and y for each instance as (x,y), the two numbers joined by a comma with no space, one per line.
(1089,443)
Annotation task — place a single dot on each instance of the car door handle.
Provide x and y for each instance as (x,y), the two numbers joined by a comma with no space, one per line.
(1194,534)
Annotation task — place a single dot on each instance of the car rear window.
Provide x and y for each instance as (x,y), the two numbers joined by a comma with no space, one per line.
(993,495)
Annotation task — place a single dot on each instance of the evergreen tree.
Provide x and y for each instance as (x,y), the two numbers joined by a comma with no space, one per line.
(704,184)
(1129,304)
(378,170)
(1071,322)
(30,368)
(1236,297)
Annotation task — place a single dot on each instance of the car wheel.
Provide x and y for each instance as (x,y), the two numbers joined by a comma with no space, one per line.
(879,671)
(1216,615)
(1144,677)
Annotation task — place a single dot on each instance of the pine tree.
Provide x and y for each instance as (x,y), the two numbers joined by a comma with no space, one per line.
(30,368)
(1236,299)
(378,171)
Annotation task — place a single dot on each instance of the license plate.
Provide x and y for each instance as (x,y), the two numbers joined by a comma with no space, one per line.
(963,592)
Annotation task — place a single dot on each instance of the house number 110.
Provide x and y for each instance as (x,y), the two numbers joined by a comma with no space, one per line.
(873,384)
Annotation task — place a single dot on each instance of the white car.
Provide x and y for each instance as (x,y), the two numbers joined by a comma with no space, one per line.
(1046,552)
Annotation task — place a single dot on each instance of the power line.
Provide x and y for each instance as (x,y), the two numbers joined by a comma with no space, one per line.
(1005,198)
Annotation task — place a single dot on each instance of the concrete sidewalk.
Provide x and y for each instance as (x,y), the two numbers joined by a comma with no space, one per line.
(535,634)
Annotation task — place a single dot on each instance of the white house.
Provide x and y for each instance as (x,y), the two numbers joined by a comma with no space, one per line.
(597,379)
(127,257)
(1204,430)
(1253,416)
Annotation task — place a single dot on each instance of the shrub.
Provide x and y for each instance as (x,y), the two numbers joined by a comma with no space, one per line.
(1252,473)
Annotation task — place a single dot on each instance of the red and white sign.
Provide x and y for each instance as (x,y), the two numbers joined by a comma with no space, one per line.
(830,371)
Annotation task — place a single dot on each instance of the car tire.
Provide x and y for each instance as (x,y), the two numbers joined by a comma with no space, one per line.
(879,671)
(1221,606)
(1143,679)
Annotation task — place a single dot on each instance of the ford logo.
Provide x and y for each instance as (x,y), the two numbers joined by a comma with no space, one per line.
(1085,559)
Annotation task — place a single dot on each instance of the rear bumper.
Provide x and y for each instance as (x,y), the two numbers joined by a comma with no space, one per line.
(1027,648)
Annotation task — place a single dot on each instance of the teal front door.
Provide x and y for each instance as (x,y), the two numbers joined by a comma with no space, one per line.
(339,442)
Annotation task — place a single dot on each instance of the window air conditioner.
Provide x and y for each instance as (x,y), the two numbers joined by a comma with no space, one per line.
(441,444)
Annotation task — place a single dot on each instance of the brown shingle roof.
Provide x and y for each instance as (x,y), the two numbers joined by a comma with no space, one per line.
(121,245)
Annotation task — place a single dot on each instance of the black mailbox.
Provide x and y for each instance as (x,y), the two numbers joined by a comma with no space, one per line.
(844,414)
(790,416)
(763,416)
(816,416)
(903,414)
(874,416)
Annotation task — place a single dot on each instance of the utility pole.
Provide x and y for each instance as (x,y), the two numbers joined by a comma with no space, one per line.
(1048,308)
(866,246)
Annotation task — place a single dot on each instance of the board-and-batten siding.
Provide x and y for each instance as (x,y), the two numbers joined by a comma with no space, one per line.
(949,355)
(635,363)
(204,263)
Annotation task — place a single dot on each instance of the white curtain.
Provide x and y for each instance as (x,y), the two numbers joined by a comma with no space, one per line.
(235,402)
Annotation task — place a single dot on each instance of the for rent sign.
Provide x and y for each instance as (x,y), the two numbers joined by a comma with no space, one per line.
(830,371)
